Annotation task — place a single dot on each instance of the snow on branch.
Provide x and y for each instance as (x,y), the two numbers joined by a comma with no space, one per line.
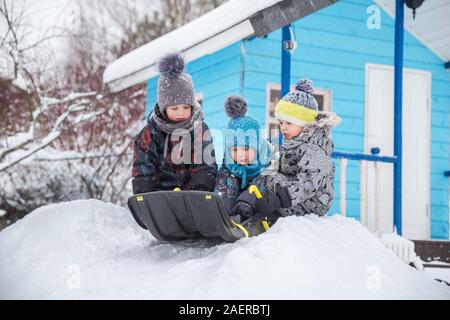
(22,145)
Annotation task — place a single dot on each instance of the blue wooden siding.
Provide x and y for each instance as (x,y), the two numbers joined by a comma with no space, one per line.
(334,47)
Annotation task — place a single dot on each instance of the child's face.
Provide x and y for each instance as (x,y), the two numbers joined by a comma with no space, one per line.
(290,130)
(243,156)
(179,113)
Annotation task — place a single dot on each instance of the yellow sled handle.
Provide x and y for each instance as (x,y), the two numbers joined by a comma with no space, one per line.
(265,224)
(241,227)
(254,190)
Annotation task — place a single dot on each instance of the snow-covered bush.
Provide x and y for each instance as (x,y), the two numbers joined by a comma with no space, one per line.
(38,183)
(32,185)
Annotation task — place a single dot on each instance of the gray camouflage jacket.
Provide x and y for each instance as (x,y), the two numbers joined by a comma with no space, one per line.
(306,168)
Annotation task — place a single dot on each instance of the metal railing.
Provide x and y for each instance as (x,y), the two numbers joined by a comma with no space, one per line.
(363,160)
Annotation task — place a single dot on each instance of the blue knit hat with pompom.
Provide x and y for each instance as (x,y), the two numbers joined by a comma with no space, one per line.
(243,130)
(236,108)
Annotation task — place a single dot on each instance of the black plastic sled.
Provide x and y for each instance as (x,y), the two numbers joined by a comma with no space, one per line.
(180,215)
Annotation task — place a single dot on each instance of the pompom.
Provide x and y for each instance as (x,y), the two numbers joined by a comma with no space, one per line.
(235,106)
(171,65)
(305,85)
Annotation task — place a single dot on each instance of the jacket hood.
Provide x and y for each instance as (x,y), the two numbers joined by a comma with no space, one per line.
(316,133)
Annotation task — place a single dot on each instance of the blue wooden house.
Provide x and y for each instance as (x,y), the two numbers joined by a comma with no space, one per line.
(347,48)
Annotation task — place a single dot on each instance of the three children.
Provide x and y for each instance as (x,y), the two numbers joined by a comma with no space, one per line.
(169,151)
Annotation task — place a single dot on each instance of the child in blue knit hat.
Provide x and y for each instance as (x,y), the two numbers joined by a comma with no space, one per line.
(247,155)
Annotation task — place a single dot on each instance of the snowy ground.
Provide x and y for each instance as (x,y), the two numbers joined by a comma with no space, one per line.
(439,273)
(94,250)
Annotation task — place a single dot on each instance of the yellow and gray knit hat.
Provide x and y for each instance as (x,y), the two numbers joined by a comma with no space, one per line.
(298,106)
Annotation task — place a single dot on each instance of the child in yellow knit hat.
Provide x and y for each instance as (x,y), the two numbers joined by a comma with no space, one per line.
(306,167)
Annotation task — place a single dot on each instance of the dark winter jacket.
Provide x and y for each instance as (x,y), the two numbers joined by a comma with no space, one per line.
(153,156)
(307,169)
(229,186)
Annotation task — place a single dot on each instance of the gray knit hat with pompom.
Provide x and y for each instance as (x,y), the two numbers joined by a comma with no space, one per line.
(174,86)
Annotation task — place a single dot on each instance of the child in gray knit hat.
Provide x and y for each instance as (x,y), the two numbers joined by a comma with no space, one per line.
(306,167)
(175,148)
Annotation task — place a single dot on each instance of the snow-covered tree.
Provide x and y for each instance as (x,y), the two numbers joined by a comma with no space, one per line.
(62,128)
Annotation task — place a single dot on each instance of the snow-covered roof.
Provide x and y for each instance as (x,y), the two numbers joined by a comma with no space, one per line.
(431,25)
(233,21)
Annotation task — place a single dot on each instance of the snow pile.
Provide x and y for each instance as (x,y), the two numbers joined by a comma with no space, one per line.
(439,270)
(90,249)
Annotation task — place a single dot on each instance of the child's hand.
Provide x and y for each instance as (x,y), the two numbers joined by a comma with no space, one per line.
(143,185)
(284,196)
(203,181)
(268,204)
(243,209)
(272,201)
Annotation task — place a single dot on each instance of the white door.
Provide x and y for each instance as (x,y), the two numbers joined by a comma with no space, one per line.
(379,132)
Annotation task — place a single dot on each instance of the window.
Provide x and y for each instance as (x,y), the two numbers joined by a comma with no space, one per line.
(323,97)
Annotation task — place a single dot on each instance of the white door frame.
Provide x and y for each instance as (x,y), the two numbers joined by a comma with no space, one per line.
(427,166)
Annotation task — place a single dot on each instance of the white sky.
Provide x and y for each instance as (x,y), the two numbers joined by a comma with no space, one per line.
(45,14)
(42,16)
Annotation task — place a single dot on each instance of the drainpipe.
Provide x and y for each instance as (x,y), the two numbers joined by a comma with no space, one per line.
(285,61)
(398,95)
(242,70)
(285,65)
